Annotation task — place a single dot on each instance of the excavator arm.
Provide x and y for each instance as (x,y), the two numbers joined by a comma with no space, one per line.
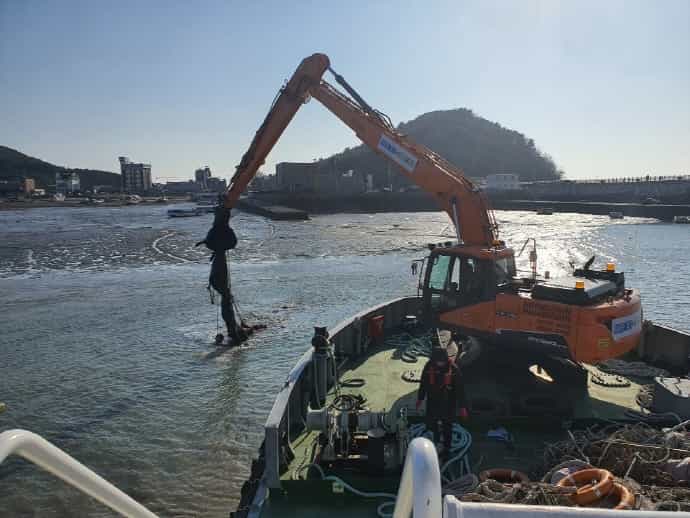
(455,194)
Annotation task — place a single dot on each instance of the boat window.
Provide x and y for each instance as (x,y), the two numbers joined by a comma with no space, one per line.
(439,272)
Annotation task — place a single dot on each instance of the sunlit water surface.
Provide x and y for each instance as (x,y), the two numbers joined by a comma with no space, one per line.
(106,330)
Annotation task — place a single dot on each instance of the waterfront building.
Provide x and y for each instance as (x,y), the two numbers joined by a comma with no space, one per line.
(28,185)
(66,182)
(502,182)
(187,187)
(214,184)
(297,176)
(202,176)
(136,177)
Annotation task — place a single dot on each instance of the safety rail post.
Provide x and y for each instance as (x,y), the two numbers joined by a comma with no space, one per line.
(420,485)
(36,449)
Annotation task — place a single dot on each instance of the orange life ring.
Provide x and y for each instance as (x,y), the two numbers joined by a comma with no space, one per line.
(586,491)
(626,499)
(504,475)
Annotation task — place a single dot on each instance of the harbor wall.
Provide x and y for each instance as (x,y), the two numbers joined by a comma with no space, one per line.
(667,190)
(417,201)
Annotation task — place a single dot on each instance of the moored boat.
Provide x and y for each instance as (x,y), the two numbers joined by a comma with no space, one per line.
(545,211)
(208,208)
(615,214)
(184,213)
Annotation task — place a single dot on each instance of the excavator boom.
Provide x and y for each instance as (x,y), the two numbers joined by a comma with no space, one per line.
(455,194)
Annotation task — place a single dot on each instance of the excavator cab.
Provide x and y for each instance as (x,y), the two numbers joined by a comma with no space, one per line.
(587,316)
(460,276)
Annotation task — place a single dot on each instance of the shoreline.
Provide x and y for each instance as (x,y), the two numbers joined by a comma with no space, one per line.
(78,204)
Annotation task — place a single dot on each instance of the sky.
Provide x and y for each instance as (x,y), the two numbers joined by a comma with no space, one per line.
(602,87)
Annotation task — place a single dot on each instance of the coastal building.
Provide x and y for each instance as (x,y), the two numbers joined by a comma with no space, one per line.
(136,177)
(28,185)
(202,176)
(297,176)
(315,177)
(214,184)
(66,182)
(187,187)
(264,183)
(502,182)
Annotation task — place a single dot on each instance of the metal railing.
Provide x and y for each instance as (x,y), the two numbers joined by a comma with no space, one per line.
(419,493)
(621,179)
(453,508)
(36,449)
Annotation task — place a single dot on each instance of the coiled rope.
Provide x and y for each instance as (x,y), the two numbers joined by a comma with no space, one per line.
(411,347)
(459,449)
(635,369)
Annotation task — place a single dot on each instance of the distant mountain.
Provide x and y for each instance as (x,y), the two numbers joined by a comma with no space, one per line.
(478,146)
(14,164)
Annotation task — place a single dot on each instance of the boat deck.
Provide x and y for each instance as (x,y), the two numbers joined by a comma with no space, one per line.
(501,392)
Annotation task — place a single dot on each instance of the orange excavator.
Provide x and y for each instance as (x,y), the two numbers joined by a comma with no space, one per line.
(469,286)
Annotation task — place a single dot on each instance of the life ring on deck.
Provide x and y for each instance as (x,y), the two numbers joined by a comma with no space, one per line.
(626,499)
(503,475)
(587,491)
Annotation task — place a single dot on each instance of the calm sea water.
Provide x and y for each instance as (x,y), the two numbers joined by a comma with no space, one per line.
(106,331)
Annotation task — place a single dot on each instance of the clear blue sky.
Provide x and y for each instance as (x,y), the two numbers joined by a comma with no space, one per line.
(603,87)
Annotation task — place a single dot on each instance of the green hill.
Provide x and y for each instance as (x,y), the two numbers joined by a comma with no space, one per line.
(478,146)
(14,164)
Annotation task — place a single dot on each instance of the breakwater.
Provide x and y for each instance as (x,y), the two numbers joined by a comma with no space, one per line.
(417,201)
(638,210)
(272,211)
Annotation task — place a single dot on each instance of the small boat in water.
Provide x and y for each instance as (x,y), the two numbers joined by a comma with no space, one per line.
(184,213)
(681,219)
(208,208)
(545,211)
(616,215)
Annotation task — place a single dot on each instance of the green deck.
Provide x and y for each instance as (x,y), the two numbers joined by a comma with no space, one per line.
(503,379)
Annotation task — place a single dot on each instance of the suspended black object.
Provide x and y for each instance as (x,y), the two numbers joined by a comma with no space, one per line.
(221,238)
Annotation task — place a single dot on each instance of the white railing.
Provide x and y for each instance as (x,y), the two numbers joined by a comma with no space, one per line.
(36,449)
(453,508)
(420,484)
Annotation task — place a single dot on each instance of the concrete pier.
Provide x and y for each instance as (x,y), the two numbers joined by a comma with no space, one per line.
(270,211)
(417,201)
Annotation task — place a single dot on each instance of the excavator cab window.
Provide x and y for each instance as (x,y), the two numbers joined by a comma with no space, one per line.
(504,269)
(457,281)
(440,267)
